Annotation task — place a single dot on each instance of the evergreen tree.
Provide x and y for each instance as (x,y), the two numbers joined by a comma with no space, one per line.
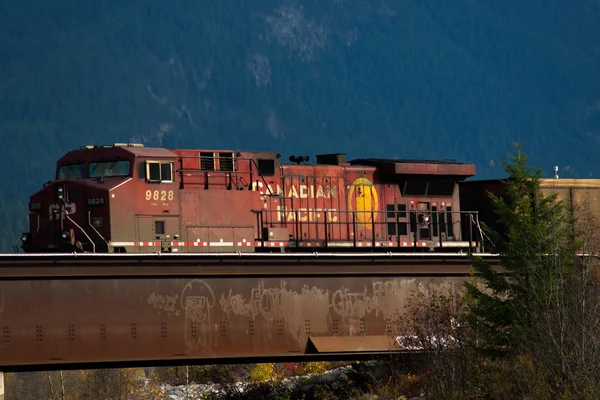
(536,249)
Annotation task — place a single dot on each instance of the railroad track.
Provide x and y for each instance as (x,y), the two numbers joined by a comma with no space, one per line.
(239,264)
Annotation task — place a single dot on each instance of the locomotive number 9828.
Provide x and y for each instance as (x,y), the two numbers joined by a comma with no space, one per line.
(159,195)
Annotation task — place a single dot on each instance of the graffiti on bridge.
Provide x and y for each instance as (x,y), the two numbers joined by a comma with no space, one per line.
(294,308)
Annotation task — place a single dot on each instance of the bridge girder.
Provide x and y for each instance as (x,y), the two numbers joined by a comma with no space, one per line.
(76,311)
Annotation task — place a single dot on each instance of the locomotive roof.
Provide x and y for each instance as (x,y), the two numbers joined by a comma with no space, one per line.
(403,161)
(150,151)
(389,166)
(85,152)
(419,167)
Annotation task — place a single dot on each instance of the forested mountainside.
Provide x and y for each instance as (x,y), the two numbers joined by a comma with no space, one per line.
(380,78)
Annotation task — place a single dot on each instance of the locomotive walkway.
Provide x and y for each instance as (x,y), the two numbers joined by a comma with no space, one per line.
(88,310)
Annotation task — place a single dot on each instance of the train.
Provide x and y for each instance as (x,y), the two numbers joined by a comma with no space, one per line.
(129,198)
(582,196)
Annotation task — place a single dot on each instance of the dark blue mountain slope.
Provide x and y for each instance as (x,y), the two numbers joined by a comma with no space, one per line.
(380,78)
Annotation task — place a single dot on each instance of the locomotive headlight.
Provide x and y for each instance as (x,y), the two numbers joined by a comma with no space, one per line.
(60,192)
(24,237)
(65,235)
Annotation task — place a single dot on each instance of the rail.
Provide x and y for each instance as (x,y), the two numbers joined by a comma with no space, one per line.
(229,255)
(241,265)
(330,226)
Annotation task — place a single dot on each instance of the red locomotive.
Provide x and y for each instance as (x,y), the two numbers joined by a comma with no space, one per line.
(131,198)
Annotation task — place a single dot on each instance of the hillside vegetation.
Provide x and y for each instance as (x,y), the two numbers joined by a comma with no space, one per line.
(377,78)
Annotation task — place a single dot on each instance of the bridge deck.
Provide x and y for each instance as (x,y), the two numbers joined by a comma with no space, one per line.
(87,310)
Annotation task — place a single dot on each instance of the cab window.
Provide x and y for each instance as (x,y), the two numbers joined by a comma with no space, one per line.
(159,171)
(74,171)
(107,169)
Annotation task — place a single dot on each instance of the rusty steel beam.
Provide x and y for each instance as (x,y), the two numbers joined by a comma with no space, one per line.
(64,311)
(227,264)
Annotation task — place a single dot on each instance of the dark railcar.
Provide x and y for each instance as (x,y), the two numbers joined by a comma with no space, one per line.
(581,194)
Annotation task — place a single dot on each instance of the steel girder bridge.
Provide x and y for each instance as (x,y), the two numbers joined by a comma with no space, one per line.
(89,311)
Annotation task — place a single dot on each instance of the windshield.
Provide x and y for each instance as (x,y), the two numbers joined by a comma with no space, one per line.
(70,171)
(109,168)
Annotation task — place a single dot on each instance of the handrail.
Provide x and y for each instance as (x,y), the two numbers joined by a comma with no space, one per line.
(95,230)
(81,229)
(20,239)
(345,224)
(252,163)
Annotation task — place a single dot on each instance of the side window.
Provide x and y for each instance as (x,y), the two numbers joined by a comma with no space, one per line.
(266,167)
(207,161)
(153,171)
(166,172)
(225,161)
(141,167)
(159,171)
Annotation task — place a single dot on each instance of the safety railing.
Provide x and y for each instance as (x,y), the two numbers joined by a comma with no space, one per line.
(332,227)
(230,173)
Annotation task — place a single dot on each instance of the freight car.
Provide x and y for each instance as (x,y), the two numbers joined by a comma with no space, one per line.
(580,194)
(131,198)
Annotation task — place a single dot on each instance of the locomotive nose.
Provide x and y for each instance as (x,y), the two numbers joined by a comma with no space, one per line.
(58,218)
(62,212)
